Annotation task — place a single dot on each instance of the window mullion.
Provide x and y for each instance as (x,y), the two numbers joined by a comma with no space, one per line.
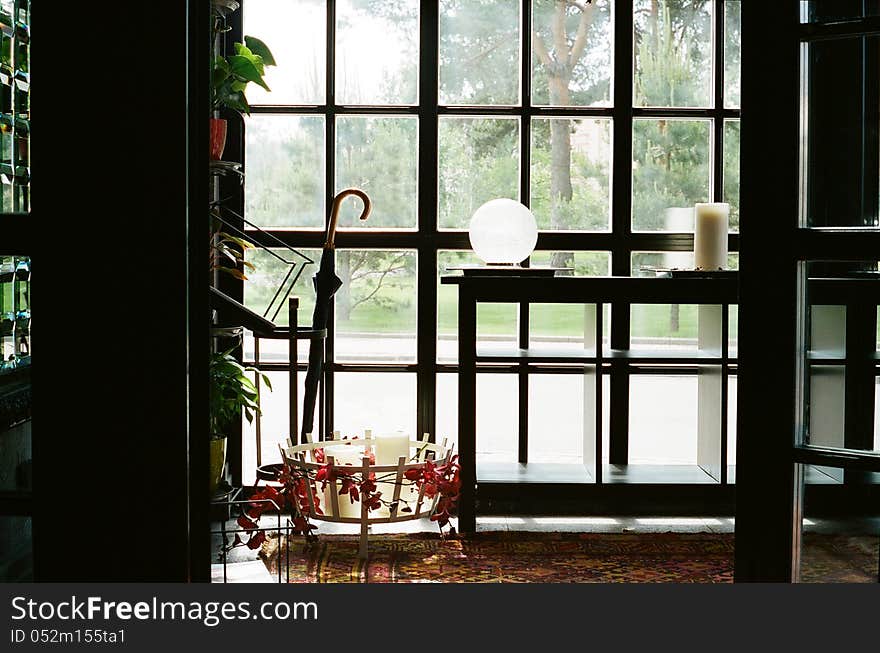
(329,193)
(621,224)
(428,153)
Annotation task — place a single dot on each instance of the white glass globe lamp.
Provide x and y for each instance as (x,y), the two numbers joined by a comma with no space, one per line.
(503,232)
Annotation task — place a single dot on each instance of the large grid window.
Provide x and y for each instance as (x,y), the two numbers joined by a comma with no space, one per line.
(608,118)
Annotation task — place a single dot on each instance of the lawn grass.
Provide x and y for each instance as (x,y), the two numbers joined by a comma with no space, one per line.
(553,320)
(393,310)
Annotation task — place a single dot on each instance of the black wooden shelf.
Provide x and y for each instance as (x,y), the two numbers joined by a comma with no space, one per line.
(508,354)
(812,476)
(493,354)
(575,474)
(683,357)
(491,473)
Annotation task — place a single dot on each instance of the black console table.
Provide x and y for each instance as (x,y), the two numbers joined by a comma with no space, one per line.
(713,294)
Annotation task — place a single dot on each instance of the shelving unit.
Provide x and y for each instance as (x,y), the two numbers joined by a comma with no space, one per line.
(711,361)
(15,312)
(843,353)
(14,107)
(16,450)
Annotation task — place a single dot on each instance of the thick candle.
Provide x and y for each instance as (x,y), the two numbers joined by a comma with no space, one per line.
(390,447)
(710,236)
(343,455)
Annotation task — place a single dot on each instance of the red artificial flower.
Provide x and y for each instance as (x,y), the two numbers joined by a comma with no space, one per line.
(373,501)
(413,474)
(325,473)
(256,540)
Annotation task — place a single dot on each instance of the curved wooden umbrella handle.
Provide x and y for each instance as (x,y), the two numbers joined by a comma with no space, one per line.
(330,241)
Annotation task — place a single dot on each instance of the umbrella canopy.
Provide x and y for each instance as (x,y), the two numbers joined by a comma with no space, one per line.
(326,284)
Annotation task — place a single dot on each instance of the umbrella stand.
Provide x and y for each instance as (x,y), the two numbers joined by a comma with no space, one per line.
(326,284)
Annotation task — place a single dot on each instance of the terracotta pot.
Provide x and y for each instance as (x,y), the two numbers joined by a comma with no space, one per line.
(218,460)
(218,138)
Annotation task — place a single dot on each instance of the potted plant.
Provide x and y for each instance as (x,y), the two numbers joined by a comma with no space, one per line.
(229,79)
(232,393)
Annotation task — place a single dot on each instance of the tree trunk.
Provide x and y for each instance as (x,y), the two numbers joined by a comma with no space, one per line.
(560,168)
(343,295)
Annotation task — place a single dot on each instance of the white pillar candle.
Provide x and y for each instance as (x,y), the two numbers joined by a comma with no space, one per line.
(710,236)
(343,455)
(390,447)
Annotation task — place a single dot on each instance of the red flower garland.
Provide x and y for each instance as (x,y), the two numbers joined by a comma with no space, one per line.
(431,479)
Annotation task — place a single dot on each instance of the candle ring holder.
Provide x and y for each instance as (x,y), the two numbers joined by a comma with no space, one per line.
(336,489)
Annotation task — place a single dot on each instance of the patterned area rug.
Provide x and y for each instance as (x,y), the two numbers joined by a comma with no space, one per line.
(839,558)
(504,557)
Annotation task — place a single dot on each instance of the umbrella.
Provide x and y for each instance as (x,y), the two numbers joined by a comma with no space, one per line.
(326,284)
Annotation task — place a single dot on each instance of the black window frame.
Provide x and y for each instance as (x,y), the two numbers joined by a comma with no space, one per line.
(427,240)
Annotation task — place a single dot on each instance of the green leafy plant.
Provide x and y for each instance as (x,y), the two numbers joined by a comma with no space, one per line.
(232,392)
(232,74)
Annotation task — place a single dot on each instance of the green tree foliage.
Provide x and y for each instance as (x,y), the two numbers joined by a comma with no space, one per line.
(673,68)
(479,161)
(479,53)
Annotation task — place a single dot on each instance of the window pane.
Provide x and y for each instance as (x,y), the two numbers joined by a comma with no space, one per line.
(840,361)
(268,274)
(496,323)
(731,426)
(447,409)
(496,423)
(840,533)
(840,150)
(479,52)
(380,401)
(664,326)
(376,305)
(556,418)
(479,161)
(296,33)
(275,420)
(731,170)
(670,173)
(378,155)
(377,51)
(663,420)
(830,11)
(644,264)
(284,184)
(838,355)
(732,52)
(585,41)
(673,53)
(262,283)
(562,326)
(497,418)
(571,174)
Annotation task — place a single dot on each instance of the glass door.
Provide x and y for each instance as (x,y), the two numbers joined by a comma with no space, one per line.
(836,453)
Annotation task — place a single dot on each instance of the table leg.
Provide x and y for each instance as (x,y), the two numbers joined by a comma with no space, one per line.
(467,409)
